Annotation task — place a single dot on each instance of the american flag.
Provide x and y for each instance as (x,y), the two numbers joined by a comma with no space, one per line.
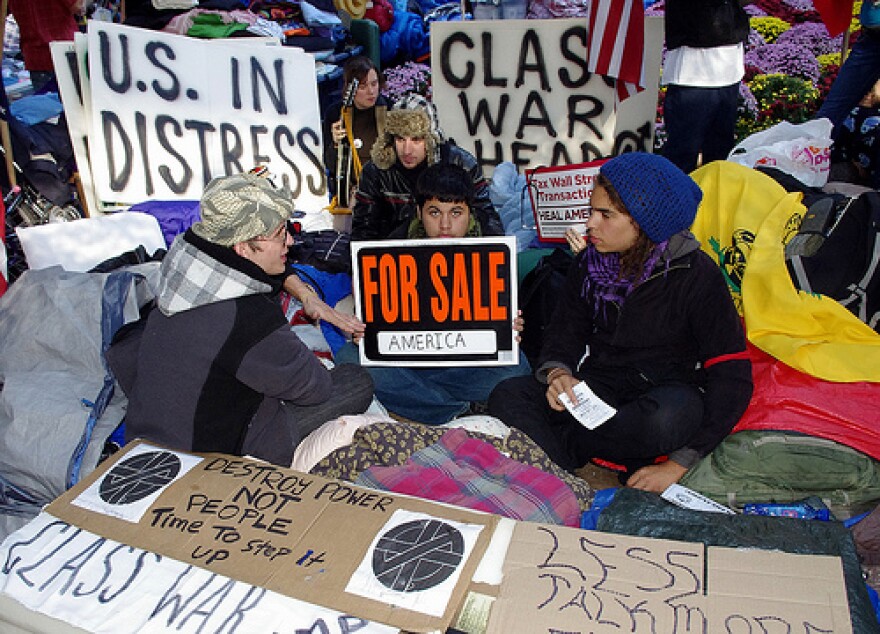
(616,43)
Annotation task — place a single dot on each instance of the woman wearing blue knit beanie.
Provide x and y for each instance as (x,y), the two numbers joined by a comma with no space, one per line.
(647,322)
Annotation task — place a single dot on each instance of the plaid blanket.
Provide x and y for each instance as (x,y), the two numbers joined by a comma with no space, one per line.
(472,473)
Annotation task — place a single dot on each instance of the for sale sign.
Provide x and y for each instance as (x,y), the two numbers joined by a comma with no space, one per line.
(437,302)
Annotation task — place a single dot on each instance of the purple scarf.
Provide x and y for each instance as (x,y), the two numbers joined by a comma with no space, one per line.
(604,278)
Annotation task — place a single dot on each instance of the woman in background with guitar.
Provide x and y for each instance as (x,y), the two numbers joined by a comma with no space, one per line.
(359,118)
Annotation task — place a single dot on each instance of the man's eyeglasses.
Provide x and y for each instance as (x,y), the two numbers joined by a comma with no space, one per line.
(278,236)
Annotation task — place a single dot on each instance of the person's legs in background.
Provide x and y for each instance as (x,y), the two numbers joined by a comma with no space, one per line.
(688,114)
(655,423)
(408,392)
(521,402)
(720,136)
(352,394)
(474,384)
(856,77)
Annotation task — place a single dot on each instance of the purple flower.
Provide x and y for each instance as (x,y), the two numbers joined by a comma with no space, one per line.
(787,59)
(755,40)
(755,11)
(748,105)
(410,77)
(800,5)
(812,36)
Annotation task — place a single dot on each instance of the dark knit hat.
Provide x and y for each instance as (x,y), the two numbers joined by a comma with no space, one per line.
(241,207)
(411,116)
(661,198)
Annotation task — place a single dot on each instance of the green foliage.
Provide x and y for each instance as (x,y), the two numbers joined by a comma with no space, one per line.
(828,61)
(778,98)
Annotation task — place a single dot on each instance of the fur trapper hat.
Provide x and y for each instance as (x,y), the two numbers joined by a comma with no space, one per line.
(412,116)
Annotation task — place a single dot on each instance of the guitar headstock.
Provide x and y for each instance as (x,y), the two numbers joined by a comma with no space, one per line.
(350,90)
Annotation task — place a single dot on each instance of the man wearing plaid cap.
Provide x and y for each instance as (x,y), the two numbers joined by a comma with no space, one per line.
(215,366)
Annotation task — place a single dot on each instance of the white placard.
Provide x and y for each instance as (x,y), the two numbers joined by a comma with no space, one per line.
(589,410)
(519,91)
(689,499)
(170,112)
(103,586)
(415,562)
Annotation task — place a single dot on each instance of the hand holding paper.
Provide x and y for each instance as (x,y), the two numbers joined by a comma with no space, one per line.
(589,410)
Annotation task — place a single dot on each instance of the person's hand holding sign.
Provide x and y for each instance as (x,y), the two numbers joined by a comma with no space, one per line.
(518,325)
(575,240)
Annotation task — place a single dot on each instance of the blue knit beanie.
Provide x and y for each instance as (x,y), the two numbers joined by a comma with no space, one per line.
(661,198)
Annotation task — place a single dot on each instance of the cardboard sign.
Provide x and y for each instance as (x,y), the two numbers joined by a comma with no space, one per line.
(166,113)
(103,586)
(519,91)
(567,580)
(437,302)
(298,535)
(561,198)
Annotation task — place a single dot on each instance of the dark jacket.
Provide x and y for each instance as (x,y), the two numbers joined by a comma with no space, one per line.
(385,201)
(216,360)
(678,326)
(705,23)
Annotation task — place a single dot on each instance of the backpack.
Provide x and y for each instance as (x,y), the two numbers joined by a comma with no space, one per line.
(327,250)
(783,467)
(836,253)
(539,293)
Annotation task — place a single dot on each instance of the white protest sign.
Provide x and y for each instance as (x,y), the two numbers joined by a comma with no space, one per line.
(171,112)
(104,586)
(561,198)
(69,71)
(519,91)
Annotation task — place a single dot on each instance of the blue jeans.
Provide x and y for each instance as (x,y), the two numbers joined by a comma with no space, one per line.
(433,395)
(699,120)
(859,72)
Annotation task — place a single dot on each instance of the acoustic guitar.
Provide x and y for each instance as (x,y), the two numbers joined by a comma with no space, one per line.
(347,173)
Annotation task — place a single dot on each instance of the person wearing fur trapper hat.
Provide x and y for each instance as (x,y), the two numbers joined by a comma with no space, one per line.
(215,365)
(647,322)
(412,140)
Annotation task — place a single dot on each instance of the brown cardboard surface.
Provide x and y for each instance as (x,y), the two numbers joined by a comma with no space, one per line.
(806,591)
(559,579)
(299,535)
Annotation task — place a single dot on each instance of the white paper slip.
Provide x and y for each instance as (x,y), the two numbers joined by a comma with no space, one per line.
(689,499)
(590,411)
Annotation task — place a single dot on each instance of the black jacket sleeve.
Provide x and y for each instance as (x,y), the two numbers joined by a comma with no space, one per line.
(721,341)
(568,333)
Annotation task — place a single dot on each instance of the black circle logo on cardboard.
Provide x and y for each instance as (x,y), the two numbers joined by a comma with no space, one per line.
(417,555)
(135,478)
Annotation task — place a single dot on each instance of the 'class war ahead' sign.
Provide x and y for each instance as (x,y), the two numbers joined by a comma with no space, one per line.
(437,302)
(520,91)
(170,112)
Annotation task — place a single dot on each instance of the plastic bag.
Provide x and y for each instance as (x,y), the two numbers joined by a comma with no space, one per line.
(802,150)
